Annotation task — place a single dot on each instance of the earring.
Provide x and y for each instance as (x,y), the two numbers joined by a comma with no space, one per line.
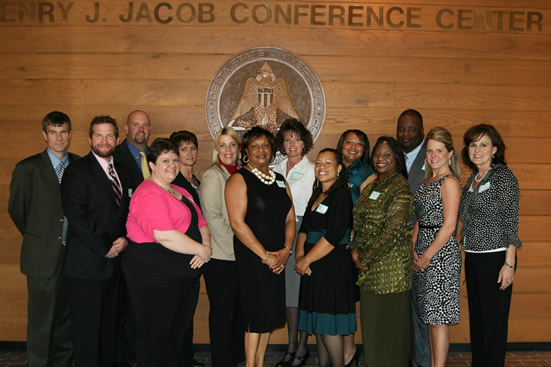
(245,158)
(493,156)
(450,161)
(338,174)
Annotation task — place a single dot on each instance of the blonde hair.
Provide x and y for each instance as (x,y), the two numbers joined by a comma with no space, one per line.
(443,136)
(232,134)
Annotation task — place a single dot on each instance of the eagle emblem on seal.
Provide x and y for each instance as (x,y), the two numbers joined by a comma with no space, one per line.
(265,94)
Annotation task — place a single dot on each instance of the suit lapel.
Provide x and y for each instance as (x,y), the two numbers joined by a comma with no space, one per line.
(48,169)
(98,172)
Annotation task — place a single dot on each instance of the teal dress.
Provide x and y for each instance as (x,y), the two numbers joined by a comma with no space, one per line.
(327,300)
(357,173)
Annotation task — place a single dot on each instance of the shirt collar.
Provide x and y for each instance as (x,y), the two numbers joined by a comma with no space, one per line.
(55,159)
(410,157)
(134,149)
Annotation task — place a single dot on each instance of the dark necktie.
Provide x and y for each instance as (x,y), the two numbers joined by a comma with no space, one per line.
(65,225)
(115,185)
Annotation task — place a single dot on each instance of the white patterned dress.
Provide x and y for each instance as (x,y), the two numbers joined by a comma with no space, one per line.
(438,285)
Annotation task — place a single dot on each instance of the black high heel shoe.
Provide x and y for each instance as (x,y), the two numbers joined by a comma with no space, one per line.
(286,360)
(355,358)
(301,359)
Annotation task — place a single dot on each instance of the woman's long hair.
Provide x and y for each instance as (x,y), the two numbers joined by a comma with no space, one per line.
(342,178)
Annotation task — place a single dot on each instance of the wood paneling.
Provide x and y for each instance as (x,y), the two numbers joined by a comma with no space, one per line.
(455,78)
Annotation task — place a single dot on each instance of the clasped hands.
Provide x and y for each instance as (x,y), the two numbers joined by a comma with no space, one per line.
(276,260)
(119,245)
(203,257)
(303,266)
(421,262)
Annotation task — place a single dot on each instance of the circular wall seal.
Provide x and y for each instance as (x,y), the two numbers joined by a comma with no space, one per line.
(264,86)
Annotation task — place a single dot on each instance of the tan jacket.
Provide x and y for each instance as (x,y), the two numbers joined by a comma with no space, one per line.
(215,213)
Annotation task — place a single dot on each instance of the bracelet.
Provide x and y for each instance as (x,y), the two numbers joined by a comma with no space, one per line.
(507,265)
(290,249)
(267,257)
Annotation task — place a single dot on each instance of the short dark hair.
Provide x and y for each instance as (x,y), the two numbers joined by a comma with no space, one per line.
(399,156)
(473,134)
(294,126)
(256,132)
(160,146)
(184,136)
(103,119)
(55,118)
(363,138)
(414,113)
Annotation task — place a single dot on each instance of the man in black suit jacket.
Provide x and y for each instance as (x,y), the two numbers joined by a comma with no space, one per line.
(95,194)
(35,208)
(410,136)
(132,152)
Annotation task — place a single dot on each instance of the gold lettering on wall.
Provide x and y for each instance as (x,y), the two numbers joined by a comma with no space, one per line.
(289,14)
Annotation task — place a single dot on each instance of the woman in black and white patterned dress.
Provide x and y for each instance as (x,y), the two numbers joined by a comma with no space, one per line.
(437,257)
(489,210)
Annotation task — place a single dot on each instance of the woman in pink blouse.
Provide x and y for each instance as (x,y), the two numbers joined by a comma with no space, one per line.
(169,242)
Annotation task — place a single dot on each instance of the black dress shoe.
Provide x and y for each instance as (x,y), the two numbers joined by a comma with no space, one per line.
(286,360)
(196,363)
(301,359)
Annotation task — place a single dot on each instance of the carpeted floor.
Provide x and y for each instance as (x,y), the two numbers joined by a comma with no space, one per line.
(514,359)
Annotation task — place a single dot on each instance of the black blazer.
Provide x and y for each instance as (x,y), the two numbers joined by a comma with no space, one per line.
(417,173)
(94,219)
(124,156)
(35,208)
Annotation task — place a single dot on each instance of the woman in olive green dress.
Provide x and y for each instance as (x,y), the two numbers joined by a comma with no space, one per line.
(383,251)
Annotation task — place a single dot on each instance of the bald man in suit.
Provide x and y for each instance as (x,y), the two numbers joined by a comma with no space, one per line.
(410,136)
(35,208)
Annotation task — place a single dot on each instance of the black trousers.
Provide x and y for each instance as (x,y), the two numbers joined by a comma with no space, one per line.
(49,338)
(225,322)
(163,315)
(488,308)
(94,310)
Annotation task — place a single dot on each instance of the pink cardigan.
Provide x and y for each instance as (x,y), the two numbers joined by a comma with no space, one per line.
(153,208)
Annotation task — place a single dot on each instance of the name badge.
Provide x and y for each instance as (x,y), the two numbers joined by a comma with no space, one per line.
(129,193)
(374,195)
(423,168)
(484,187)
(322,209)
(296,176)
(280,183)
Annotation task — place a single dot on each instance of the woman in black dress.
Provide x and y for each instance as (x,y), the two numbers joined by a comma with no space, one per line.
(262,217)
(326,303)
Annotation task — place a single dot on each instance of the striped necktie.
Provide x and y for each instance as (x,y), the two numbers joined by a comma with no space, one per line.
(65,225)
(115,185)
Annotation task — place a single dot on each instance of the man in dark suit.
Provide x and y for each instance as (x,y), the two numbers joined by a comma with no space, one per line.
(95,194)
(35,208)
(410,135)
(132,152)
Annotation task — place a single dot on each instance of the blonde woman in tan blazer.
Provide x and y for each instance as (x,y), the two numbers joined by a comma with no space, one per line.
(226,334)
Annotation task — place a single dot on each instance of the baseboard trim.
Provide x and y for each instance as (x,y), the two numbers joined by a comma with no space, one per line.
(280,348)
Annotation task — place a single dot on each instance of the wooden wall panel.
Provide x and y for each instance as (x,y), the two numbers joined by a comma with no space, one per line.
(455,78)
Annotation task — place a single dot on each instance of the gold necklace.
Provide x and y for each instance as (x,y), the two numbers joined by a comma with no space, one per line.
(170,190)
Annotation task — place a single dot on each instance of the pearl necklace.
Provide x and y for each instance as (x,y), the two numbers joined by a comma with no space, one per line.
(265,179)
(480,179)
